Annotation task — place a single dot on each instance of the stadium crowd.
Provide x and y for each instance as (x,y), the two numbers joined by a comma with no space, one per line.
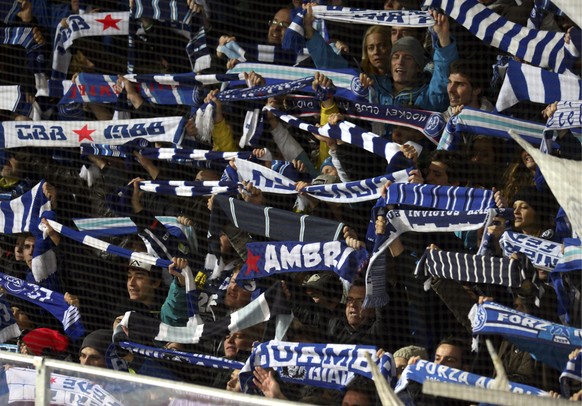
(357,181)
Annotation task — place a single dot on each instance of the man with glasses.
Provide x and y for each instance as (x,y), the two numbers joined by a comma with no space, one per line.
(278,25)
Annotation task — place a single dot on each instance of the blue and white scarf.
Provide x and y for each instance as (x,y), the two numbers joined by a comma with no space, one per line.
(88,240)
(52,302)
(21,36)
(526,82)
(182,357)
(571,260)
(8,327)
(346,132)
(546,49)
(548,342)
(402,221)
(570,9)
(93,88)
(331,366)
(20,384)
(463,267)
(436,197)
(540,8)
(543,254)
(475,121)
(266,259)
(176,155)
(189,188)
(11,98)
(271,181)
(86,25)
(573,369)
(294,35)
(57,134)
(422,371)
(567,115)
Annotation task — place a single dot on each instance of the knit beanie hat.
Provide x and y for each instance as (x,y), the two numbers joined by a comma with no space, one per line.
(411,46)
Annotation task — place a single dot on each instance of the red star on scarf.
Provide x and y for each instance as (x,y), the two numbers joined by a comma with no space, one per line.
(252,262)
(84,133)
(108,22)
(53,380)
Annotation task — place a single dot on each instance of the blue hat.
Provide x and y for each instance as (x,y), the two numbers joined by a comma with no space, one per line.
(326,162)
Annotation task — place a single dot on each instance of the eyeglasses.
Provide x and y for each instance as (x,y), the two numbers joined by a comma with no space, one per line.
(353,301)
(281,24)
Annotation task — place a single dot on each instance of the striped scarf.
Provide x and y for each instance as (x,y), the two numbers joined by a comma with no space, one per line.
(178,155)
(550,343)
(86,25)
(469,268)
(541,48)
(543,254)
(189,188)
(573,371)
(54,134)
(331,366)
(21,36)
(11,99)
(402,221)
(422,371)
(52,302)
(481,122)
(526,82)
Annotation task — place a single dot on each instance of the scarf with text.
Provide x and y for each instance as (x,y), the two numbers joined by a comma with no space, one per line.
(20,386)
(549,342)
(543,254)
(294,38)
(401,221)
(463,267)
(266,259)
(546,49)
(182,357)
(58,134)
(526,82)
(52,302)
(426,370)
(567,115)
(189,188)
(331,366)
(571,260)
(86,25)
(8,327)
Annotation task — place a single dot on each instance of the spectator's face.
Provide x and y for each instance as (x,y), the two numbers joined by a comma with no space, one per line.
(236,297)
(233,384)
(461,92)
(404,69)
(278,26)
(354,398)
(401,135)
(10,169)
(378,51)
(400,363)
(27,251)
(437,174)
(329,170)
(92,357)
(141,286)
(18,249)
(449,355)
(525,215)
(400,32)
(235,342)
(392,5)
(528,161)
(355,314)
(483,151)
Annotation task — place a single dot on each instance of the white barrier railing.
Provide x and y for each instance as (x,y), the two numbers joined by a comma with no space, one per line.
(204,395)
